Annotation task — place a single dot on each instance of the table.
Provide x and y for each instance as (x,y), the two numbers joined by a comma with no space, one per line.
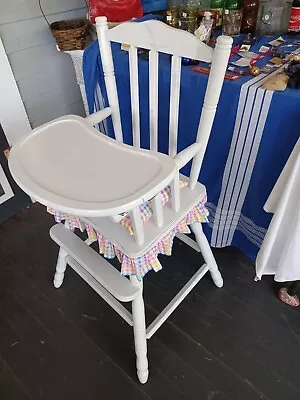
(253,135)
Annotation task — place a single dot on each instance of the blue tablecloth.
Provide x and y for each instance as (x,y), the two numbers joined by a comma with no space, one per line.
(252,137)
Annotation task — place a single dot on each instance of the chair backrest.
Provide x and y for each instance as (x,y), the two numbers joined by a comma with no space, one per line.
(159,37)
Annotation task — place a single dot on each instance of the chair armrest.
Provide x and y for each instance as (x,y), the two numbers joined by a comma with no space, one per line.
(186,155)
(99,116)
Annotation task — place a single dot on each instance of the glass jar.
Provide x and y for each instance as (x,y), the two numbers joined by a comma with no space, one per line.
(189,24)
(232,17)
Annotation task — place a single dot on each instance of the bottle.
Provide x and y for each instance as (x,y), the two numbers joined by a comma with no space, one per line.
(172,13)
(204,31)
(294,23)
(232,17)
(216,8)
(249,19)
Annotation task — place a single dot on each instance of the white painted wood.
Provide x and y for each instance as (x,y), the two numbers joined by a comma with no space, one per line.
(174,303)
(99,116)
(60,268)
(94,264)
(94,284)
(75,192)
(207,254)
(157,36)
(153,99)
(215,82)
(174,104)
(8,193)
(137,225)
(187,240)
(139,329)
(109,75)
(130,175)
(118,235)
(134,93)
(158,210)
(13,117)
(186,155)
(175,193)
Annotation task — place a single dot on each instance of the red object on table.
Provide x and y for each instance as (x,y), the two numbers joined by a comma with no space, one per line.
(115,10)
(204,70)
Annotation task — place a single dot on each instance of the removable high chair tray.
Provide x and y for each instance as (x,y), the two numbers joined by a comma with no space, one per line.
(69,166)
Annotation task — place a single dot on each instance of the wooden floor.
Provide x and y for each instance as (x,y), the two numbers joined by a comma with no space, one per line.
(234,343)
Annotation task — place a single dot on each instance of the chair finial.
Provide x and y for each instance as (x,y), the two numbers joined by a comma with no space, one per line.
(101,21)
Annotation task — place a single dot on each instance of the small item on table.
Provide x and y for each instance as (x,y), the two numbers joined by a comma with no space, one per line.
(294,23)
(203,33)
(254,70)
(188,24)
(249,19)
(264,49)
(242,62)
(205,70)
(245,47)
(247,54)
(277,83)
(276,61)
(232,17)
(238,71)
(277,42)
(268,68)
(278,53)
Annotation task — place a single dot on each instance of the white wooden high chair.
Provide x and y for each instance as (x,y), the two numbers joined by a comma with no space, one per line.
(48,166)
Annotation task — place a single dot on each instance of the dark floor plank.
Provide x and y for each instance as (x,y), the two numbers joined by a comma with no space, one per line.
(248,327)
(219,343)
(205,328)
(46,361)
(10,387)
(79,303)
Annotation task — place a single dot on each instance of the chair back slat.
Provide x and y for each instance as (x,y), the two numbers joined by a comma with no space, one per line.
(109,76)
(174,104)
(157,208)
(175,193)
(134,92)
(137,225)
(153,99)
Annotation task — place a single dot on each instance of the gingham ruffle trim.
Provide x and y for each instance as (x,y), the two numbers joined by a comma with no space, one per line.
(141,265)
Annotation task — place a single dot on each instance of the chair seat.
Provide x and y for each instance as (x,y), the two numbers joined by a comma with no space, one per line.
(69,166)
(119,236)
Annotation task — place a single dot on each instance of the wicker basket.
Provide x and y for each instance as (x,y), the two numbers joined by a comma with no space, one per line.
(70,34)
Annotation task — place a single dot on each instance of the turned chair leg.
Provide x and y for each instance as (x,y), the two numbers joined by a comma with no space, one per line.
(139,329)
(207,254)
(60,268)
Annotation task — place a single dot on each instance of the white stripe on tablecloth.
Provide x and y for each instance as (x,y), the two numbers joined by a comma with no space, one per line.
(99,105)
(253,232)
(250,120)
